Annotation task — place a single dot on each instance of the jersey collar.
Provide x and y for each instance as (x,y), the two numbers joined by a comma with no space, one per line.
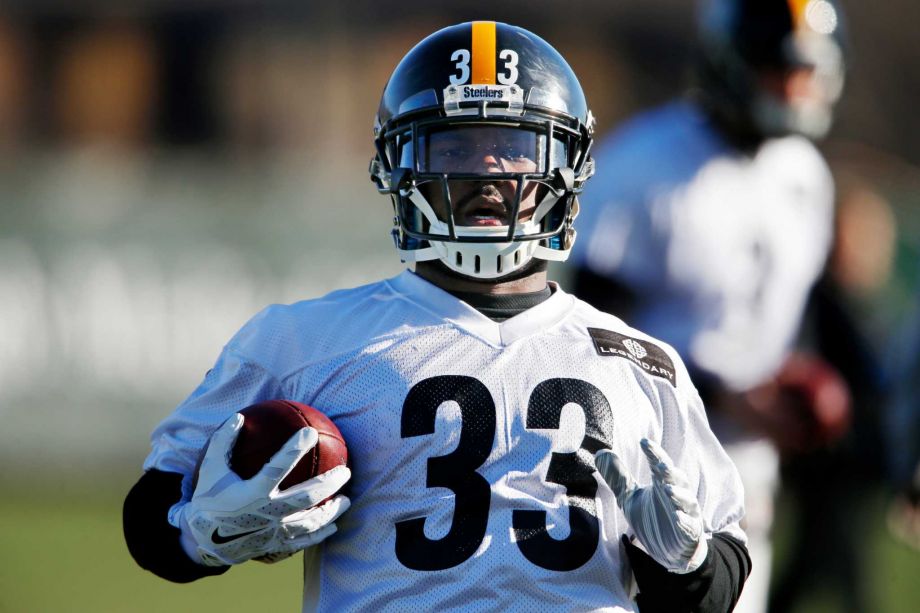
(446,306)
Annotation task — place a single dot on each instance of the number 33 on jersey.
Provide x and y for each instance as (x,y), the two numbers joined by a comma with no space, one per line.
(472,441)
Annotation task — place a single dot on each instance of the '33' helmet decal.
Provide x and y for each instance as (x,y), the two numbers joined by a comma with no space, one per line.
(477,64)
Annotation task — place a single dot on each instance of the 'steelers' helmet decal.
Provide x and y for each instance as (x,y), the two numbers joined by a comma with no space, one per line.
(489,108)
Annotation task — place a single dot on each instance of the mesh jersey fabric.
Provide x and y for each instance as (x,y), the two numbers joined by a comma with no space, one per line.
(720,247)
(471,443)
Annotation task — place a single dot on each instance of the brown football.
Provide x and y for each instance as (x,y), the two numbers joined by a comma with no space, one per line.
(269,424)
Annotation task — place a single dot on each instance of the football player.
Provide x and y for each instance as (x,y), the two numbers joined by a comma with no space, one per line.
(709,223)
(511,447)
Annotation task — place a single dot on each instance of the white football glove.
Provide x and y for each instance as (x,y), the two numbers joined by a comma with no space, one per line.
(664,515)
(230,520)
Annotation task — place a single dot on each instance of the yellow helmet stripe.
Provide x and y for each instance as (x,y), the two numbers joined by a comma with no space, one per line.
(797,10)
(483,71)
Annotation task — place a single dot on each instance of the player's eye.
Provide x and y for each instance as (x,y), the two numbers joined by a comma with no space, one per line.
(469,149)
(457,152)
(515,151)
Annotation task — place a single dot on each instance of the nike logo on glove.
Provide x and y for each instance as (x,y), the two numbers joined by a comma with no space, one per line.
(219,539)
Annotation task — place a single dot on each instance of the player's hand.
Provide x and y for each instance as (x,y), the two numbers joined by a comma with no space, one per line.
(804,407)
(665,515)
(230,520)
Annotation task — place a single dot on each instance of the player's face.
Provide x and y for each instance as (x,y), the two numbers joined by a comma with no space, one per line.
(794,86)
(482,150)
(482,203)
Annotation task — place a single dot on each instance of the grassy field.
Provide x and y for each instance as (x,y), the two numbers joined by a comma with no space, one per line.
(68,555)
(61,550)
(893,568)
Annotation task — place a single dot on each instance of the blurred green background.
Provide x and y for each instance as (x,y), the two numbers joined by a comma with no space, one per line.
(166,170)
(70,556)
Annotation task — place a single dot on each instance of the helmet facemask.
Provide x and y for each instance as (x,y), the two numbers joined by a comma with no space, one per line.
(484,195)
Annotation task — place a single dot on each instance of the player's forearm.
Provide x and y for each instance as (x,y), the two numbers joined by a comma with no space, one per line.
(712,588)
(151,539)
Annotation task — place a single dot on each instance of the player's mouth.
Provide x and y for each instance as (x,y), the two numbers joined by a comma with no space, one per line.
(485,216)
(484,207)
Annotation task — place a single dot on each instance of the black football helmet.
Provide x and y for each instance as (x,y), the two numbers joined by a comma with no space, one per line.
(483,104)
(741,39)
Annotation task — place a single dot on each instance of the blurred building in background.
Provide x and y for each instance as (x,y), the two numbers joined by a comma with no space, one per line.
(168,168)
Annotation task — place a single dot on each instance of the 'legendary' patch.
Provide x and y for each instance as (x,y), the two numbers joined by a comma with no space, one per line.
(648,356)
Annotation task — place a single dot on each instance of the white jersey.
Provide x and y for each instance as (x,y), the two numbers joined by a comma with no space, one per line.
(720,247)
(471,443)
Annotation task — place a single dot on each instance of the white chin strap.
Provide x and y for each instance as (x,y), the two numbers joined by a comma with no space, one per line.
(484,260)
(812,119)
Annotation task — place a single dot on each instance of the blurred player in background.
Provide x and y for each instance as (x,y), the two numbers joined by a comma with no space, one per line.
(709,222)
(831,488)
(504,436)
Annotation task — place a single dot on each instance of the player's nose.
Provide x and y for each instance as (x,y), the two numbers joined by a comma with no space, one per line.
(800,83)
(492,162)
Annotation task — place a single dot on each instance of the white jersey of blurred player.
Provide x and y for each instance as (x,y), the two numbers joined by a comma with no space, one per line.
(721,249)
(471,443)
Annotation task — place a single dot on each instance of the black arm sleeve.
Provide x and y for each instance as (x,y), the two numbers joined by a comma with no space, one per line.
(712,588)
(152,540)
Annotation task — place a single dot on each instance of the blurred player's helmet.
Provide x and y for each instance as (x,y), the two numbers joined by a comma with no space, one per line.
(742,42)
(473,106)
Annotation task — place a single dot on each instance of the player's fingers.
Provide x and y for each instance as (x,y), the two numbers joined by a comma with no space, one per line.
(684,500)
(615,474)
(661,473)
(303,523)
(663,468)
(286,458)
(283,547)
(311,539)
(336,476)
(690,526)
(277,556)
(215,463)
(668,475)
(654,452)
(310,492)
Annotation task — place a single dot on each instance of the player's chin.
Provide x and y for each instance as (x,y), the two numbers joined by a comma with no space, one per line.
(534,266)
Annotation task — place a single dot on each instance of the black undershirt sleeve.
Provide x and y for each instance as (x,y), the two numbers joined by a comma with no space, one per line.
(152,541)
(712,588)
